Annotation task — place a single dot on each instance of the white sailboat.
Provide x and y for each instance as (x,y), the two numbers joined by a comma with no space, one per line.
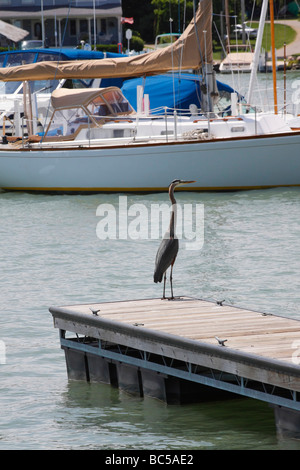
(96,142)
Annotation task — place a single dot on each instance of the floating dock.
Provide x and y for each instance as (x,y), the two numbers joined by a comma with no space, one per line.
(237,62)
(186,350)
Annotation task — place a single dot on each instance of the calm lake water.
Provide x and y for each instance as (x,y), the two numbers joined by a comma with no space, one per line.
(51,255)
(288,89)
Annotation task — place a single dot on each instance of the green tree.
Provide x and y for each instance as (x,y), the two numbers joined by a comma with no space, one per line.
(174,9)
(152,17)
(143,17)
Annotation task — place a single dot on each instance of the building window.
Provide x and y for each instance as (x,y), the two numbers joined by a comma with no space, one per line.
(73,28)
(83,25)
(103,25)
(38,30)
(27,2)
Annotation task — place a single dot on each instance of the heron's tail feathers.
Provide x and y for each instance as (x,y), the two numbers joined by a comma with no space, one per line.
(157,277)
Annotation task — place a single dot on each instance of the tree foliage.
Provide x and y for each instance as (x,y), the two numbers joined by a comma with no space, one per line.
(171,15)
(152,17)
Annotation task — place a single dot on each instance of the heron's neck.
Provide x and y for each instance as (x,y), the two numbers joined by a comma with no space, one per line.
(171,195)
(173,215)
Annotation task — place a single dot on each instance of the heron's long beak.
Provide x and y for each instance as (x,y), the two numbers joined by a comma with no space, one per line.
(186,182)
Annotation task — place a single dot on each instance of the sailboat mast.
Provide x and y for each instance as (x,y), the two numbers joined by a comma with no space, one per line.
(95,31)
(227,27)
(258,43)
(273,55)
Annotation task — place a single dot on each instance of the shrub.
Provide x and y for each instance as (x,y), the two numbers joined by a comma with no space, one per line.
(107,47)
(136,43)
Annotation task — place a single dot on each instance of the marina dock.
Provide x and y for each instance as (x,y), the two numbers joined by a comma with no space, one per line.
(186,350)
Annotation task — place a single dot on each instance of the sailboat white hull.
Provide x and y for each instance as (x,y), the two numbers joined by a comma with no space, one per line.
(222,164)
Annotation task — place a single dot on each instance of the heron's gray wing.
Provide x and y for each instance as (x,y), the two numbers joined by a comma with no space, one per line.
(166,254)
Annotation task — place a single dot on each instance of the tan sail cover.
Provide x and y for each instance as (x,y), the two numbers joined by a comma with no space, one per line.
(193,48)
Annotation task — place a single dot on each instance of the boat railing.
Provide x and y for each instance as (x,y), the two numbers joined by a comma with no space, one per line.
(128,128)
(162,110)
(283,108)
(68,131)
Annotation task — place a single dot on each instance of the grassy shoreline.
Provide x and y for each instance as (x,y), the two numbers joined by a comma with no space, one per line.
(283,34)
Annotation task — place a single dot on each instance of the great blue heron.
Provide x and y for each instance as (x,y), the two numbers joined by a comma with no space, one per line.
(168,249)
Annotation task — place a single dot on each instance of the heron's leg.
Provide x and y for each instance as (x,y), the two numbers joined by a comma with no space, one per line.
(171,278)
(165,276)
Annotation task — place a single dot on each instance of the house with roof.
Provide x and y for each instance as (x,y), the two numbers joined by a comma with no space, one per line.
(66,22)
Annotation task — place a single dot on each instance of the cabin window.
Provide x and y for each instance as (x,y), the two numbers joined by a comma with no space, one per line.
(238,129)
(43,86)
(81,83)
(67,122)
(98,107)
(9,87)
(117,101)
(118,133)
(20,59)
(42,57)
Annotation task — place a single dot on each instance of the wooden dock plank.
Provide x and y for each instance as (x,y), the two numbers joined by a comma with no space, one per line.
(245,330)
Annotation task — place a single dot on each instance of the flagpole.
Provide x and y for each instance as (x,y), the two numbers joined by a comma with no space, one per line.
(43,26)
(95,32)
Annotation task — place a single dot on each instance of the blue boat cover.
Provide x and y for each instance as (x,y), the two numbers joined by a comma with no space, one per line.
(177,90)
(17,57)
(34,55)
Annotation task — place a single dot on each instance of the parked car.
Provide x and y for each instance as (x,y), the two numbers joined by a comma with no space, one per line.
(31,44)
(250,32)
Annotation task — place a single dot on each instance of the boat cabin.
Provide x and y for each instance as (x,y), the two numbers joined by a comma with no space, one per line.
(83,109)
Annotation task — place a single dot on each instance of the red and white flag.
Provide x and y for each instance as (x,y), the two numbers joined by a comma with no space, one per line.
(127,20)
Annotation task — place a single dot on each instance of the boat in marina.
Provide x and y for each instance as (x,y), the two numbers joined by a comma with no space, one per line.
(163,90)
(96,141)
(11,93)
(236,62)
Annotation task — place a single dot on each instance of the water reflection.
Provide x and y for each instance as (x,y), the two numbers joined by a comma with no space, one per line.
(148,423)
